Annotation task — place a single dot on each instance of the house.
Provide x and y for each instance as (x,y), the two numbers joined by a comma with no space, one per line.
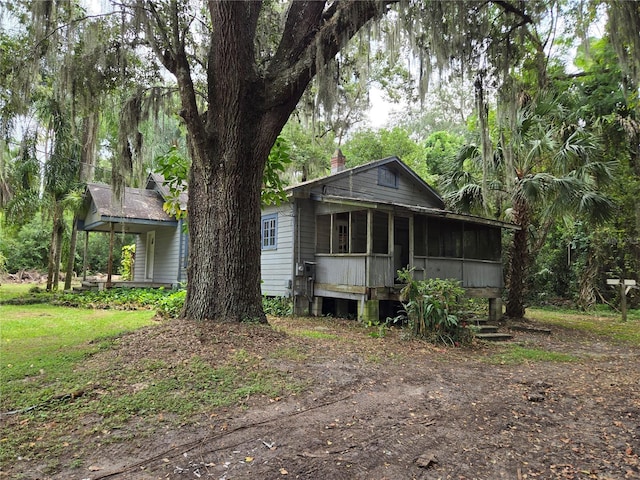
(161,244)
(337,242)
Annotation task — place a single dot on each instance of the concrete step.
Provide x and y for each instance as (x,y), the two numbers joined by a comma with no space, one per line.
(494,337)
(484,328)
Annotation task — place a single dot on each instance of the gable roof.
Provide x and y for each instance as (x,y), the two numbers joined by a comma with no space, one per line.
(393,162)
(157,182)
(139,207)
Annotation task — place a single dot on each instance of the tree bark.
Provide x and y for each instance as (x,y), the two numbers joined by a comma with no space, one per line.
(518,262)
(73,240)
(229,144)
(57,230)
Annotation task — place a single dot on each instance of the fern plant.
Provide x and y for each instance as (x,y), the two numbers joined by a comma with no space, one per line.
(433,308)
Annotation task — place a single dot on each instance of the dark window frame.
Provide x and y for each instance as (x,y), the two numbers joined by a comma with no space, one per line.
(387,177)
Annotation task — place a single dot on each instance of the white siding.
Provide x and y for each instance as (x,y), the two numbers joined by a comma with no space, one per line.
(166,258)
(277,264)
(141,250)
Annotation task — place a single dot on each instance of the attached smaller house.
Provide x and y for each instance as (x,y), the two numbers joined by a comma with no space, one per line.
(161,244)
(335,245)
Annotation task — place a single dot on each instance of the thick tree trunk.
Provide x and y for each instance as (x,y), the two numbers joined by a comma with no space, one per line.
(248,104)
(224,235)
(518,263)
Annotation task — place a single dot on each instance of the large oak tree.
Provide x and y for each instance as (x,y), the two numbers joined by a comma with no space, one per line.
(249,96)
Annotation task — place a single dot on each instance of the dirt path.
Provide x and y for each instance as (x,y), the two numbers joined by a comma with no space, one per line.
(392,409)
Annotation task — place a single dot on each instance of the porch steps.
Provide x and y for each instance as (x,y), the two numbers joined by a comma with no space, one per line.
(488,332)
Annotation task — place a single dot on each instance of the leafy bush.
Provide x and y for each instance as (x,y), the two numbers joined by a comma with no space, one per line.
(171,305)
(26,247)
(114,298)
(127,261)
(277,306)
(433,307)
(168,303)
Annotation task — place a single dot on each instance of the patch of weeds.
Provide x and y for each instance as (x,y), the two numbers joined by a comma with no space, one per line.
(76,463)
(289,353)
(374,359)
(315,334)
(377,329)
(194,387)
(517,354)
(277,306)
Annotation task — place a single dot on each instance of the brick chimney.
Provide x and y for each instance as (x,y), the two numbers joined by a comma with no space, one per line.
(337,161)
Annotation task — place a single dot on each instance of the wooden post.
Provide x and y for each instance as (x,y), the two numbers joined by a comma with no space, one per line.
(625,286)
(84,255)
(623,301)
(112,235)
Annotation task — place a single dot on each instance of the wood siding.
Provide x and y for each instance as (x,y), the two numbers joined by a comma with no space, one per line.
(93,216)
(472,273)
(341,270)
(166,258)
(277,264)
(364,185)
(380,271)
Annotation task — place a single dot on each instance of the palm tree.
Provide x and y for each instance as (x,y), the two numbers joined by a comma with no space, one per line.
(544,167)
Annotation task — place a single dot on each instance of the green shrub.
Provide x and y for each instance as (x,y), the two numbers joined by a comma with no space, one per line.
(171,305)
(127,261)
(433,308)
(277,306)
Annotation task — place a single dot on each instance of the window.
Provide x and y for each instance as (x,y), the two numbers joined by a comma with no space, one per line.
(444,238)
(420,235)
(269,232)
(380,232)
(359,231)
(340,233)
(387,177)
(482,242)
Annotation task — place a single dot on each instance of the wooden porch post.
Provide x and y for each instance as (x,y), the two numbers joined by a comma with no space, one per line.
(368,259)
(112,235)
(84,255)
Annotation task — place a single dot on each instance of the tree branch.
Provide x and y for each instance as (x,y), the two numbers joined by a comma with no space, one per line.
(338,25)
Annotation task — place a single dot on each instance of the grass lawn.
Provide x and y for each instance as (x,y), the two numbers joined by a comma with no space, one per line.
(12,290)
(36,338)
(51,376)
(600,322)
(41,345)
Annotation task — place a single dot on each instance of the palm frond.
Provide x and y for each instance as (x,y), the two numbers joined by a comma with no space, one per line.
(466,199)
(467,152)
(596,207)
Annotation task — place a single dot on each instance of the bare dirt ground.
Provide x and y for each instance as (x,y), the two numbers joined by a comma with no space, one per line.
(387,409)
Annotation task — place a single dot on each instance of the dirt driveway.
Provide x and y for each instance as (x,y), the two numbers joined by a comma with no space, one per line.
(391,409)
